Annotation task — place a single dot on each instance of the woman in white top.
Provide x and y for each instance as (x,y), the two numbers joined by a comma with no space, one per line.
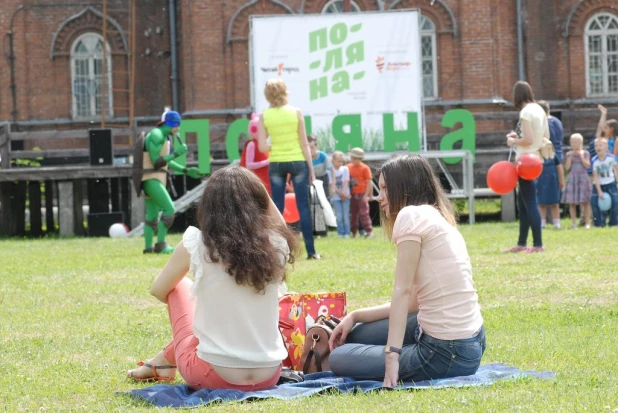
(225,323)
(528,138)
(432,328)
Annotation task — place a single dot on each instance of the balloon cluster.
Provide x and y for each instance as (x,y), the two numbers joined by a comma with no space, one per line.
(502,176)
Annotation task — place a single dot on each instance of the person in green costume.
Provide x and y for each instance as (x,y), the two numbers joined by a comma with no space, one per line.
(158,156)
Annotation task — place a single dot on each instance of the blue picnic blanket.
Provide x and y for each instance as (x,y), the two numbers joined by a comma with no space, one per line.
(166,395)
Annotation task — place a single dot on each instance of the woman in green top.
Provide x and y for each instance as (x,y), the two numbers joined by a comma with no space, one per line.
(289,154)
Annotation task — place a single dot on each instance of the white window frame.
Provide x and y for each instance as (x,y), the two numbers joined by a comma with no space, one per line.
(354,7)
(603,33)
(434,57)
(91,38)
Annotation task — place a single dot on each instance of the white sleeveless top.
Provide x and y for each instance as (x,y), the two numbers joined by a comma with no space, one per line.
(236,327)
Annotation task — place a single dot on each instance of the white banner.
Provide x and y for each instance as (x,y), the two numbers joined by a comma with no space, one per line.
(356,76)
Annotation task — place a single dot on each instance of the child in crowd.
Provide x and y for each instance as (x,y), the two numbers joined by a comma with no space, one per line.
(578,188)
(257,161)
(340,189)
(607,129)
(321,163)
(604,173)
(362,192)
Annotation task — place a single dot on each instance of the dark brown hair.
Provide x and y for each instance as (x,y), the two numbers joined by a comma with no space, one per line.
(312,138)
(522,94)
(410,180)
(236,224)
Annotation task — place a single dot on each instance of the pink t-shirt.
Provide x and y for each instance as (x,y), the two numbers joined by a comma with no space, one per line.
(448,303)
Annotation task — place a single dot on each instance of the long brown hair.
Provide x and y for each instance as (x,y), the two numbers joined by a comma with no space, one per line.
(410,180)
(236,225)
(522,94)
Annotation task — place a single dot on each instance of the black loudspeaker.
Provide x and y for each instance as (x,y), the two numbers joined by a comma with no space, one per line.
(101,147)
(98,224)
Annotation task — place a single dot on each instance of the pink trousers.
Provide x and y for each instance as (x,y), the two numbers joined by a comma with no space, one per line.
(182,350)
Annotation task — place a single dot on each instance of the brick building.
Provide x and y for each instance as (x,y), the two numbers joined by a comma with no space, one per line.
(51,75)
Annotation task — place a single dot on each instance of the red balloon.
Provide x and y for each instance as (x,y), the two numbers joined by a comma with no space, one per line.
(290,212)
(502,177)
(529,166)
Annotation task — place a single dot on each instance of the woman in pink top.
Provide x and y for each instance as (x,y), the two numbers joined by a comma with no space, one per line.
(432,328)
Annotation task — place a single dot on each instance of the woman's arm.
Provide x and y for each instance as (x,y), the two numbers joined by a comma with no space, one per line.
(408,257)
(560,175)
(174,271)
(602,121)
(250,158)
(527,138)
(262,137)
(304,144)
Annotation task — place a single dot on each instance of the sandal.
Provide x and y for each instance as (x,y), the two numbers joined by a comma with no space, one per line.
(516,248)
(155,376)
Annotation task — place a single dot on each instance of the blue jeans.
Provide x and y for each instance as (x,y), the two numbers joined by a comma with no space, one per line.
(298,170)
(342,211)
(600,216)
(529,215)
(422,358)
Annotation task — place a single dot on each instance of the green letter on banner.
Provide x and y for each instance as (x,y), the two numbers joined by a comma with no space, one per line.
(201,128)
(238,127)
(308,125)
(318,88)
(344,141)
(317,40)
(392,136)
(466,134)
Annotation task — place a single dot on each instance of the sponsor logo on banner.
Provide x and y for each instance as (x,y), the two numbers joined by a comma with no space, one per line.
(280,69)
(382,65)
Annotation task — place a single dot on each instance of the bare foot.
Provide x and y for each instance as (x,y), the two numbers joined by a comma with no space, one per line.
(145,372)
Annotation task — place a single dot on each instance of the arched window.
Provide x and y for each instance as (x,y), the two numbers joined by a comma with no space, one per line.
(429,58)
(336,6)
(87,76)
(601,39)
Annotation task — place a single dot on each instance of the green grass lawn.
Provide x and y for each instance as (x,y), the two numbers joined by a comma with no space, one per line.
(75,314)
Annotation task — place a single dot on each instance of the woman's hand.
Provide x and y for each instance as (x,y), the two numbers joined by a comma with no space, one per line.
(340,332)
(603,109)
(510,138)
(391,375)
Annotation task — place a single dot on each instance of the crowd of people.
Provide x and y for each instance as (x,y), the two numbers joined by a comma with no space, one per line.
(591,175)
(431,329)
